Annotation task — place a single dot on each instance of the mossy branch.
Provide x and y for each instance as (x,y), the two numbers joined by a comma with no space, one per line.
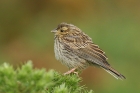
(28,80)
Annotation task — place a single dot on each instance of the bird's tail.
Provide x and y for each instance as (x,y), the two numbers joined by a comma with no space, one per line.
(114,73)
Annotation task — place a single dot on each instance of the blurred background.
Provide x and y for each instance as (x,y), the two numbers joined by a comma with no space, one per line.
(114,25)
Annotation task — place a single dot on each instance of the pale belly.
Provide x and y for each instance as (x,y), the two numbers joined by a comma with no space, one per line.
(68,58)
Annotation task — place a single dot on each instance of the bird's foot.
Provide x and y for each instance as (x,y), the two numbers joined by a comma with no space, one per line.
(71,71)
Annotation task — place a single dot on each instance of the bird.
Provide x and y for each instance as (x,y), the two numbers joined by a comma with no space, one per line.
(76,50)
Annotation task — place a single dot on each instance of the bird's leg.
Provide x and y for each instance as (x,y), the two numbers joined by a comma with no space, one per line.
(71,71)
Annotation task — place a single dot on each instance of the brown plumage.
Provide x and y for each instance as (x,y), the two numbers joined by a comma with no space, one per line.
(76,50)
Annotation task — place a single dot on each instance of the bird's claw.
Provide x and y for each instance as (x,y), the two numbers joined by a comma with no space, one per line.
(71,71)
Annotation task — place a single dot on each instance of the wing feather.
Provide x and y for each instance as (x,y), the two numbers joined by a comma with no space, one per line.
(83,46)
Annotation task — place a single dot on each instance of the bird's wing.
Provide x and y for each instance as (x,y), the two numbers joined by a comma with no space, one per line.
(86,49)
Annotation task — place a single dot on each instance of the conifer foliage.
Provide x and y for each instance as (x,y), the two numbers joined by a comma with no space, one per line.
(26,79)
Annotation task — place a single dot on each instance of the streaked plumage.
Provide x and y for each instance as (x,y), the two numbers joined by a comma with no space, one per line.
(76,50)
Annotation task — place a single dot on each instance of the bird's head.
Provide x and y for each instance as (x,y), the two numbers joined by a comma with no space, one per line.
(65,29)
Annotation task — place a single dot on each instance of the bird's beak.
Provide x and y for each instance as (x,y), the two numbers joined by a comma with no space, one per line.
(54,31)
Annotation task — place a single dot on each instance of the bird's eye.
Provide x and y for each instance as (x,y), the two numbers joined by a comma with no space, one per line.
(61,30)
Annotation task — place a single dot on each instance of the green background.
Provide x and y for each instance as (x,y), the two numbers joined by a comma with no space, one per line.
(113,24)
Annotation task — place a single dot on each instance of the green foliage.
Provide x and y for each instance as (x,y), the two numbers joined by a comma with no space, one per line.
(29,80)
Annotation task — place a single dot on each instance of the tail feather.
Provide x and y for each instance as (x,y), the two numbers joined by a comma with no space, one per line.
(114,73)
